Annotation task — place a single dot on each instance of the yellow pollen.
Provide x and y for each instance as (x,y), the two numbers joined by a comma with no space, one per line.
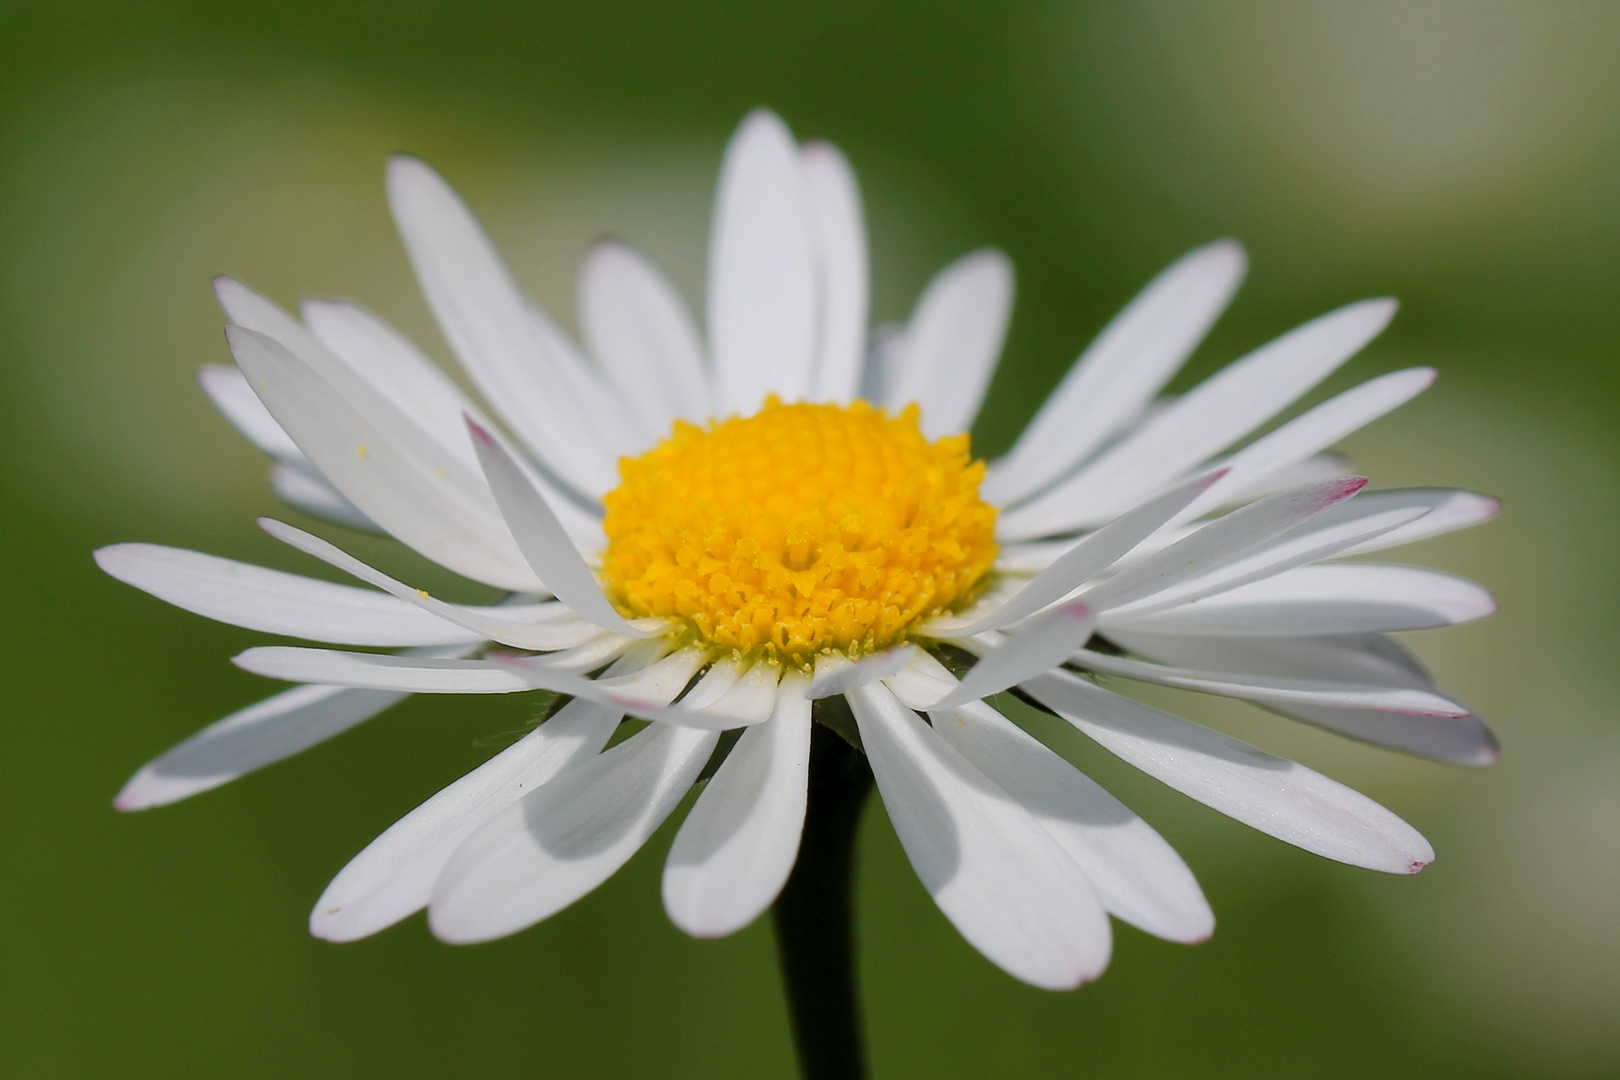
(801,530)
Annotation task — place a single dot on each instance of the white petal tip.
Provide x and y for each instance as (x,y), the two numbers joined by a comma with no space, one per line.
(404,167)
(325,924)
(447,930)
(132,798)
(1418,864)
(708,929)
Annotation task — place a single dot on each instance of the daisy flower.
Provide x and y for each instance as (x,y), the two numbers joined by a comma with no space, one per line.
(712,537)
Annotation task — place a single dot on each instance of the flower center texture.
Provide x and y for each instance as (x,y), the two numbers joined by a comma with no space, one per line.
(800,530)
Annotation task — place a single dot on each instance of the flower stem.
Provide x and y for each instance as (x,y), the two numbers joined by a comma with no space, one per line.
(815,916)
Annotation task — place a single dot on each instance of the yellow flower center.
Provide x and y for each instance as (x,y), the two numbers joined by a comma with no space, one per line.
(801,530)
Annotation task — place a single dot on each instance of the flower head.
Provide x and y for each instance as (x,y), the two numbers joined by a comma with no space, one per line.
(714,530)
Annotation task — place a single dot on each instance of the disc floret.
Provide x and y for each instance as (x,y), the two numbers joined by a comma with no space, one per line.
(800,530)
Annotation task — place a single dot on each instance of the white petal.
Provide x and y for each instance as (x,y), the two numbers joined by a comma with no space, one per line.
(385,465)
(542,627)
(1120,371)
(762,270)
(922,682)
(1221,410)
(950,346)
(1316,430)
(995,872)
(544,543)
(638,327)
(614,422)
(317,498)
(1330,533)
(1463,740)
(293,478)
(736,848)
(1288,692)
(396,369)
(273,602)
(561,841)
(1331,598)
(1278,797)
(488,323)
(1360,658)
(1460,740)
(251,738)
(840,236)
(393,877)
(422,675)
(1087,558)
(1221,541)
(1136,874)
(747,698)
(1448,510)
(1043,643)
(837,674)
(228,389)
(879,368)
(503,675)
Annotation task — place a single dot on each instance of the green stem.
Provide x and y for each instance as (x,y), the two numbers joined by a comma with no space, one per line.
(815,916)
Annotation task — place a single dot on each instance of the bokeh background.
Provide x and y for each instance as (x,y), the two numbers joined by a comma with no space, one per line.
(1463,156)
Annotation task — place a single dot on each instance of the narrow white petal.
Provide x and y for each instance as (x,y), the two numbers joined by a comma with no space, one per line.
(1449,510)
(556,672)
(614,422)
(543,541)
(1361,658)
(736,848)
(542,627)
(249,739)
(839,229)
(396,369)
(745,698)
(762,270)
(302,490)
(1136,874)
(1118,374)
(1278,797)
(1043,643)
(274,602)
(425,675)
(1317,429)
(1330,533)
(1459,740)
(1328,598)
(385,465)
(837,674)
(950,346)
(1281,691)
(1221,541)
(638,327)
(539,855)
(487,321)
(1083,561)
(393,877)
(1221,410)
(228,389)
(922,682)
(995,872)
(881,365)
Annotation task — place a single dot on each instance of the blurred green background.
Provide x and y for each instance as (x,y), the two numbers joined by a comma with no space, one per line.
(1463,156)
